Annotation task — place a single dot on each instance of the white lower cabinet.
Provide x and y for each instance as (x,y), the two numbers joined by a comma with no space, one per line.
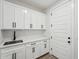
(37,49)
(44,47)
(32,50)
(29,51)
(7,55)
(37,52)
(13,53)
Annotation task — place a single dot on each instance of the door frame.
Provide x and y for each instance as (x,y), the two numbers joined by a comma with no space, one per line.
(75,29)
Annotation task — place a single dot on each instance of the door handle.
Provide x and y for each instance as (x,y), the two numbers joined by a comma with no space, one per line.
(69,42)
(69,38)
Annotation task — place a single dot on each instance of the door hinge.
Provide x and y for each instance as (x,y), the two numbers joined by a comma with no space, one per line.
(51,37)
(51,48)
(51,14)
(51,25)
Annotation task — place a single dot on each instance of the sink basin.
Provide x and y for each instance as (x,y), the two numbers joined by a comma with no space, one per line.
(13,42)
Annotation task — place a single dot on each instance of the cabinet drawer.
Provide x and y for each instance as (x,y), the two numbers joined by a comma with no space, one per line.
(9,49)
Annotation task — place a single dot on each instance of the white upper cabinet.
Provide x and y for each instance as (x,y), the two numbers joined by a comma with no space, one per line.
(37,20)
(13,16)
(19,17)
(8,15)
(27,18)
(34,20)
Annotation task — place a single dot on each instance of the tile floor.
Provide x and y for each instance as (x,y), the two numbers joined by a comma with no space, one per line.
(47,56)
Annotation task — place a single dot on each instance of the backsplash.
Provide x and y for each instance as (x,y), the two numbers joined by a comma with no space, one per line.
(7,35)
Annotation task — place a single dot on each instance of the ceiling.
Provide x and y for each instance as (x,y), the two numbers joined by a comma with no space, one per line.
(40,4)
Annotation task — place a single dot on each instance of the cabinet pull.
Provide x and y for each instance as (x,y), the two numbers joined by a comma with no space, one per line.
(51,14)
(13,24)
(45,45)
(31,25)
(51,25)
(13,56)
(42,26)
(51,37)
(33,49)
(45,41)
(33,43)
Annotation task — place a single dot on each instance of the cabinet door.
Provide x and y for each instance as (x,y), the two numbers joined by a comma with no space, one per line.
(46,46)
(29,51)
(6,56)
(42,48)
(37,52)
(19,17)
(20,53)
(8,15)
(27,18)
(34,20)
(43,21)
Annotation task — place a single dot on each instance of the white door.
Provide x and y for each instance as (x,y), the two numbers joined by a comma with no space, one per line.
(19,17)
(8,15)
(61,20)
